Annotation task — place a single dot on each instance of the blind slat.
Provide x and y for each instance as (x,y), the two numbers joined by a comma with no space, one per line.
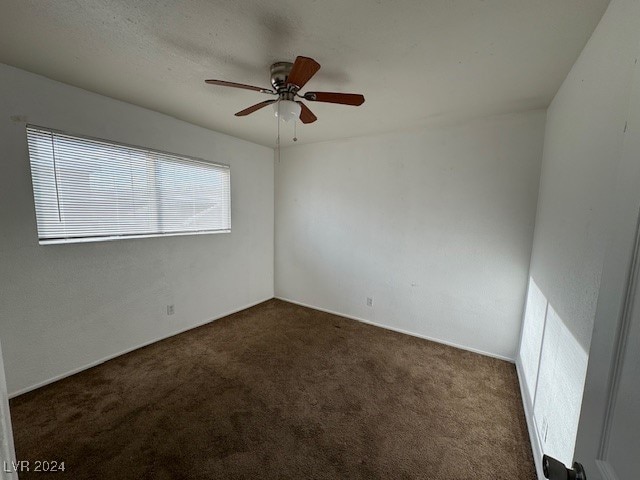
(88,189)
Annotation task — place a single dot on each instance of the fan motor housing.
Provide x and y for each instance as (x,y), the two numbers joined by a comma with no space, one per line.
(279,73)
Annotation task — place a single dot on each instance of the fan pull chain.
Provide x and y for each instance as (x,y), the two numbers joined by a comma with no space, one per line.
(278,138)
(295,131)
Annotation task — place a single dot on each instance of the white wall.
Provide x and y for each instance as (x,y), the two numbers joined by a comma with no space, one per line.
(63,307)
(435,225)
(582,151)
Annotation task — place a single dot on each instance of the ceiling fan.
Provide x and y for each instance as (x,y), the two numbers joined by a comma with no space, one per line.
(287,79)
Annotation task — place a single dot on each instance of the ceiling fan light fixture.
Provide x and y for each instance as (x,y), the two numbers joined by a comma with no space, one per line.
(287,79)
(287,110)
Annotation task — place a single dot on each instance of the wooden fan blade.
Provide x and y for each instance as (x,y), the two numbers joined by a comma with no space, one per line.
(303,69)
(354,99)
(306,115)
(255,107)
(223,83)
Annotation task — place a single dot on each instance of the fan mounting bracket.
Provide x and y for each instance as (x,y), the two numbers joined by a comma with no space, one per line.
(279,75)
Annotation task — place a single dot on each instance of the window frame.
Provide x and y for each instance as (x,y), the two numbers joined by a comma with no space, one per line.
(108,238)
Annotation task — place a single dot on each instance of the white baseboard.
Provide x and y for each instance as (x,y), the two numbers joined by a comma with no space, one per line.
(400,330)
(536,444)
(128,350)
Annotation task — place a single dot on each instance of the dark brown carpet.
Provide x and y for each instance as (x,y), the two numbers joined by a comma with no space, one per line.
(282,391)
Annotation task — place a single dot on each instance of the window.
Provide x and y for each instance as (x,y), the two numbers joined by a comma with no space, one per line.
(90,190)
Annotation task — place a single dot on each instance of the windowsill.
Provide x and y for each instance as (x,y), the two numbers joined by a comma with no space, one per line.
(58,241)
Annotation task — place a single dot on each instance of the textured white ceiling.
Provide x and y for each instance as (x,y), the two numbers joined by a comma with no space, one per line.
(418,62)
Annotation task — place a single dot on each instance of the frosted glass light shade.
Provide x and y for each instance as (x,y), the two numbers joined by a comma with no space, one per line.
(287,109)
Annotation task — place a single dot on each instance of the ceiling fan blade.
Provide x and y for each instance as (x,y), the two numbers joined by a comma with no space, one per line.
(223,83)
(255,107)
(354,99)
(306,115)
(303,69)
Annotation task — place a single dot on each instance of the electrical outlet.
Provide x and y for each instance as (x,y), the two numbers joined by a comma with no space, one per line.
(369,302)
(170,310)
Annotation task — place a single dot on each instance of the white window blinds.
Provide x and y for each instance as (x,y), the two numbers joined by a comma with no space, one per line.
(90,190)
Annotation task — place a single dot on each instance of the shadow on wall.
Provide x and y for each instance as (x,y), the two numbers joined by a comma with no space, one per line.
(554,366)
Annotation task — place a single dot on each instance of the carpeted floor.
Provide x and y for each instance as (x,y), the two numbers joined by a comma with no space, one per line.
(281,391)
